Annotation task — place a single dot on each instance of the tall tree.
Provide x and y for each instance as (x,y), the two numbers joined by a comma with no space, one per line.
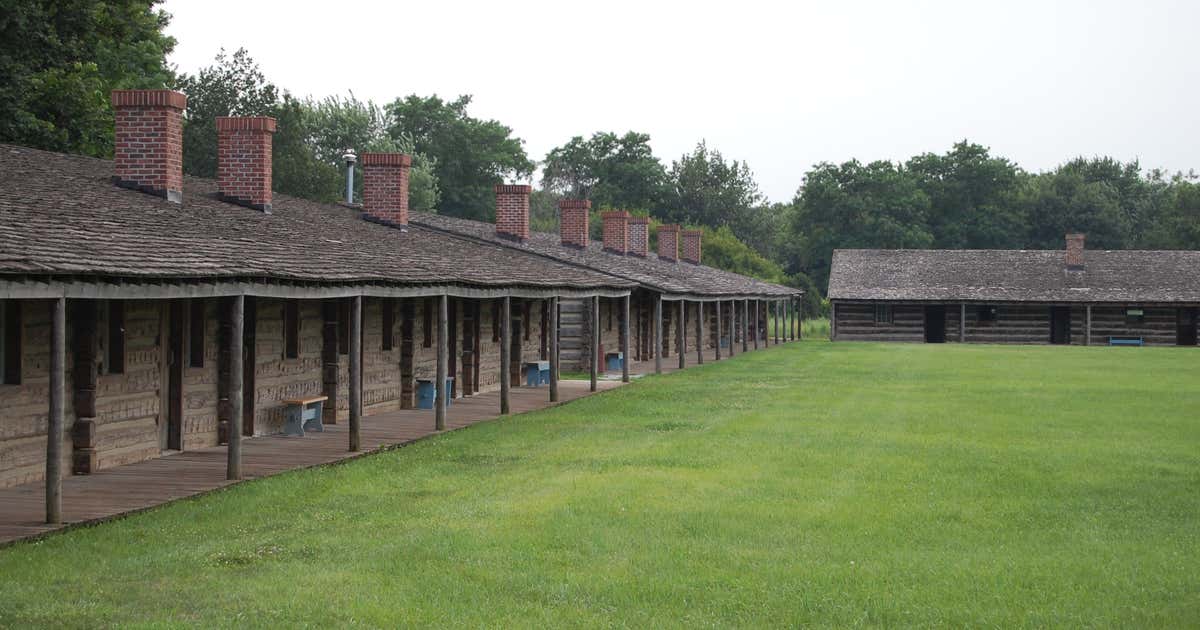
(972,198)
(613,171)
(60,59)
(231,86)
(471,155)
(711,191)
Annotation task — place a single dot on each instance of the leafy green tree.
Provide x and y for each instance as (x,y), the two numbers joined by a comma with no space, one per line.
(972,197)
(231,86)
(61,59)
(1066,201)
(471,155)
(879,205)
(613,171)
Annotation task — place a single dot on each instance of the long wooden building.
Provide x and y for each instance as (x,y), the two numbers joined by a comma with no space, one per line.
(1072,296)
(143,312)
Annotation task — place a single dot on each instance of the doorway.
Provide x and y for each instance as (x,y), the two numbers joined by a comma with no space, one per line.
(1060,325)
(1185,334)
(935,324)
(175,358)
(249,358)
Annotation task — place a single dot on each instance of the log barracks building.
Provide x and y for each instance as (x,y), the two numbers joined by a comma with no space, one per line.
(1076,296)
(143,312)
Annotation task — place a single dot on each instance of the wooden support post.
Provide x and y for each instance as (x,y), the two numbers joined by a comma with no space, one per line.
(681,334)
(699,333)
(356,313)
(625,356)
(757,321)
(554,349)
(505,355)
(439,386)
(595,341)
(237,324)
(962,322)
(1087,336)
(658,333)
(718,349)
(833,321)
(54,428)
(745,325)
(775,309)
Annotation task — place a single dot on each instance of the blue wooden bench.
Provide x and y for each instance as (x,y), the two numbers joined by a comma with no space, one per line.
(537,373)
(614,360)
(427,393)
(304,414)
(1126,341)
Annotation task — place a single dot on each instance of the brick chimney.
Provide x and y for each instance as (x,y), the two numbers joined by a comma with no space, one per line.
(573,221)
(512,211)
(639,236)
(385,186)
(616,231)
(149,139)
(1075,244)
(244,160)
(668,242)
(691,246)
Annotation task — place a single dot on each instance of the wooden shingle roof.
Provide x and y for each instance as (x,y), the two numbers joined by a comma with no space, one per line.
(60,215)
(1014,276)
(679,278)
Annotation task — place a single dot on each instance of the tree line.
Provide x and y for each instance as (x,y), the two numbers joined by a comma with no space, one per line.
(63,58)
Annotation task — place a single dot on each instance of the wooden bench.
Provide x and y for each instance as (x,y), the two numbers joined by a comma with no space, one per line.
(304,414)
(613,360)
(537,373)
(1126,341)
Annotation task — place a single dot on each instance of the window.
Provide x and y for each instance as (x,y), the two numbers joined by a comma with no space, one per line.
(427,323)
(343,326)
(1135,316)
(884,314)
(10,342)
(196,334)
(114,338)
(389,323)
(291,329)
(988,313)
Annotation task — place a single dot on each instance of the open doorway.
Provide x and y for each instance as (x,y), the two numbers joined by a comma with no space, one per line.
(1185,334)
(175,359)
(1060,325)
(935,324)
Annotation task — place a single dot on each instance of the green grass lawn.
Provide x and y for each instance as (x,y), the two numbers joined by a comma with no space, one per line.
(812,484)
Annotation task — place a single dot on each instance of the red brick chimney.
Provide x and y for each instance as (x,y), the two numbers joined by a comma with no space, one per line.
(639,236)
(616,231)
(244,160)
(512,211)
(149,139)
(1075,243)
(573,221)
(668,242)
(691,246)
(385,186)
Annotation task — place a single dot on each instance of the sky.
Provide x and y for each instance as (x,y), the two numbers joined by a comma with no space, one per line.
(780,85)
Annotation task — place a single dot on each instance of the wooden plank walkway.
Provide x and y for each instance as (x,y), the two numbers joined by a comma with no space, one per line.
(122,490)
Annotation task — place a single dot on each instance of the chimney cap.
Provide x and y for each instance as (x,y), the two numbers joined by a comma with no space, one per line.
(148,98)
(386,159)
(669,227)
(614,214)
(575,204)
(695,232)
(516,189)
(245,123)
(348,157)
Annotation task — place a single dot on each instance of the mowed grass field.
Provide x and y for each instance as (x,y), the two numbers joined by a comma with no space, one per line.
(813,484)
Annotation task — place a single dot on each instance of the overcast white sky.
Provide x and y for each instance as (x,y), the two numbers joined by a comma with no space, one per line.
(782,85)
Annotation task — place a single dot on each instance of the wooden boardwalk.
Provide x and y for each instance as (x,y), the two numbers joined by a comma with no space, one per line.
(121,490)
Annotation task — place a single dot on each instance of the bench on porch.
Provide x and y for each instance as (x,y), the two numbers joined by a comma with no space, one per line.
(427,392)
(1126,341)
(304,414)
(613,360)
(537,373)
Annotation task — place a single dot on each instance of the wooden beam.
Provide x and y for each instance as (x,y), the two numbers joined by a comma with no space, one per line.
(658,333)
(718,323)
(356,393)
(54,428)
(681,334)
(595,341)
(554,349)
(505,354)
(625,356)
(962,322)
(439,386)
(757,321)
(237,319)
(699,333)
(745,325)
(1087,336)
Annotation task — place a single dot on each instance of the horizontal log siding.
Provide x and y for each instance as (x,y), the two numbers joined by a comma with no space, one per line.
(1158,329)
(856,322)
